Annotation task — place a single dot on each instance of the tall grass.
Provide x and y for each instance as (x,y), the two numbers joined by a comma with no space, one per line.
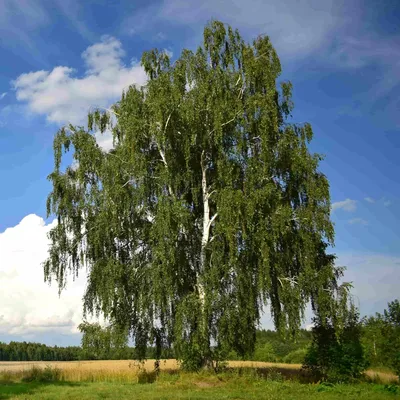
(133,372)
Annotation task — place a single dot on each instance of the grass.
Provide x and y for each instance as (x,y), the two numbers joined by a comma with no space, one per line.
(128,380)
(198,387)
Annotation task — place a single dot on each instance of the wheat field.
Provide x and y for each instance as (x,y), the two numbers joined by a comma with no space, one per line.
(129,370)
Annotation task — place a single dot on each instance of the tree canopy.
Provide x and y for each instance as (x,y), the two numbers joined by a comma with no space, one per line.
(209,207)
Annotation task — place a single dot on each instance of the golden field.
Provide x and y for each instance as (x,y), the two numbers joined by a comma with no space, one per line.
(130,370)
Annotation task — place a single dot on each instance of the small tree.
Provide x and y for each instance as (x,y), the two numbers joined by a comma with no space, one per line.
(209,207)
(336,353)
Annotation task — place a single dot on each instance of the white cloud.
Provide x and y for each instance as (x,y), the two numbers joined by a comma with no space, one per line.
(358,221)
(369,200)
(104,140)
(387,203)
(347,205)
(376,279)
(63,97)
(161,37)
(309,327)
(28,305)
(169,53)
(3,95)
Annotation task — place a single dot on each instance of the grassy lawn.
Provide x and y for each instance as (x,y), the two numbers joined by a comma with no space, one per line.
(195,387)
(265,390)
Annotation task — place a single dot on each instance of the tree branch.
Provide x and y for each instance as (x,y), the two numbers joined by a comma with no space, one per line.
(166,124)
(212,220)
(162,154)
(130,180)
(208,195)
(226,123)
(108,109)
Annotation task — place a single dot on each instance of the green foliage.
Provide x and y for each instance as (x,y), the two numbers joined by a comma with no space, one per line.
(336,355)
(27,351)
(381,337)
(103,343)
(209,207)
(264,352)
(296,356)
(273,347)
(392,389)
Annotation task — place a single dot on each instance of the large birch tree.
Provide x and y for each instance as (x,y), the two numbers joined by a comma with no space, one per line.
(209,209)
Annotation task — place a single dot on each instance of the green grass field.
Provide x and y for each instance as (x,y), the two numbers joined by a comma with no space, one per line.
(236,383)
(197,389)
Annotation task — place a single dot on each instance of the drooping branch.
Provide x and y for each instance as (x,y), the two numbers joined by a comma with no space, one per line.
(226,123)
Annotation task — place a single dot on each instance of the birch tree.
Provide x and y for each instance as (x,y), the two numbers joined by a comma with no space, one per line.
(209,209)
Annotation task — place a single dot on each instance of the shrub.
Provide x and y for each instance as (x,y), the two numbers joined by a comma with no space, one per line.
(264,353)
(336,356)
(296,356)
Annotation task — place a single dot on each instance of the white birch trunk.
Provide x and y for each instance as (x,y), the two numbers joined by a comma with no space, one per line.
(207,222)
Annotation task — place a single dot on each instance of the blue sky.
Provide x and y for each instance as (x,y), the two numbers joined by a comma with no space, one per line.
(59,60)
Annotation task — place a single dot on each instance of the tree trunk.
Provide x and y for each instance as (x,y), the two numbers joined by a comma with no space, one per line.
(207,221)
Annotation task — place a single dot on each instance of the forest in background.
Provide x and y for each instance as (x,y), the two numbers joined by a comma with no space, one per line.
(379,338)
(270,347)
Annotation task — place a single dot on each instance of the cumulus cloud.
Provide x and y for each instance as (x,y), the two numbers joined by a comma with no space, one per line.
(3,95)
(63,97)
(346,205)
(369,200)
(358,221)
(28,305)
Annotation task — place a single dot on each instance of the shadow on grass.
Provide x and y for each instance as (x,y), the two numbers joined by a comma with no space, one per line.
(11,389)
(275,373)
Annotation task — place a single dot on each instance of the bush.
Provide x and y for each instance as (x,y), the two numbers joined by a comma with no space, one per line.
(296,356)
(336,356)
(264,353)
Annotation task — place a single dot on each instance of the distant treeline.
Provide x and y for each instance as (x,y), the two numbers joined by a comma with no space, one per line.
(26,351)
(270,347)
